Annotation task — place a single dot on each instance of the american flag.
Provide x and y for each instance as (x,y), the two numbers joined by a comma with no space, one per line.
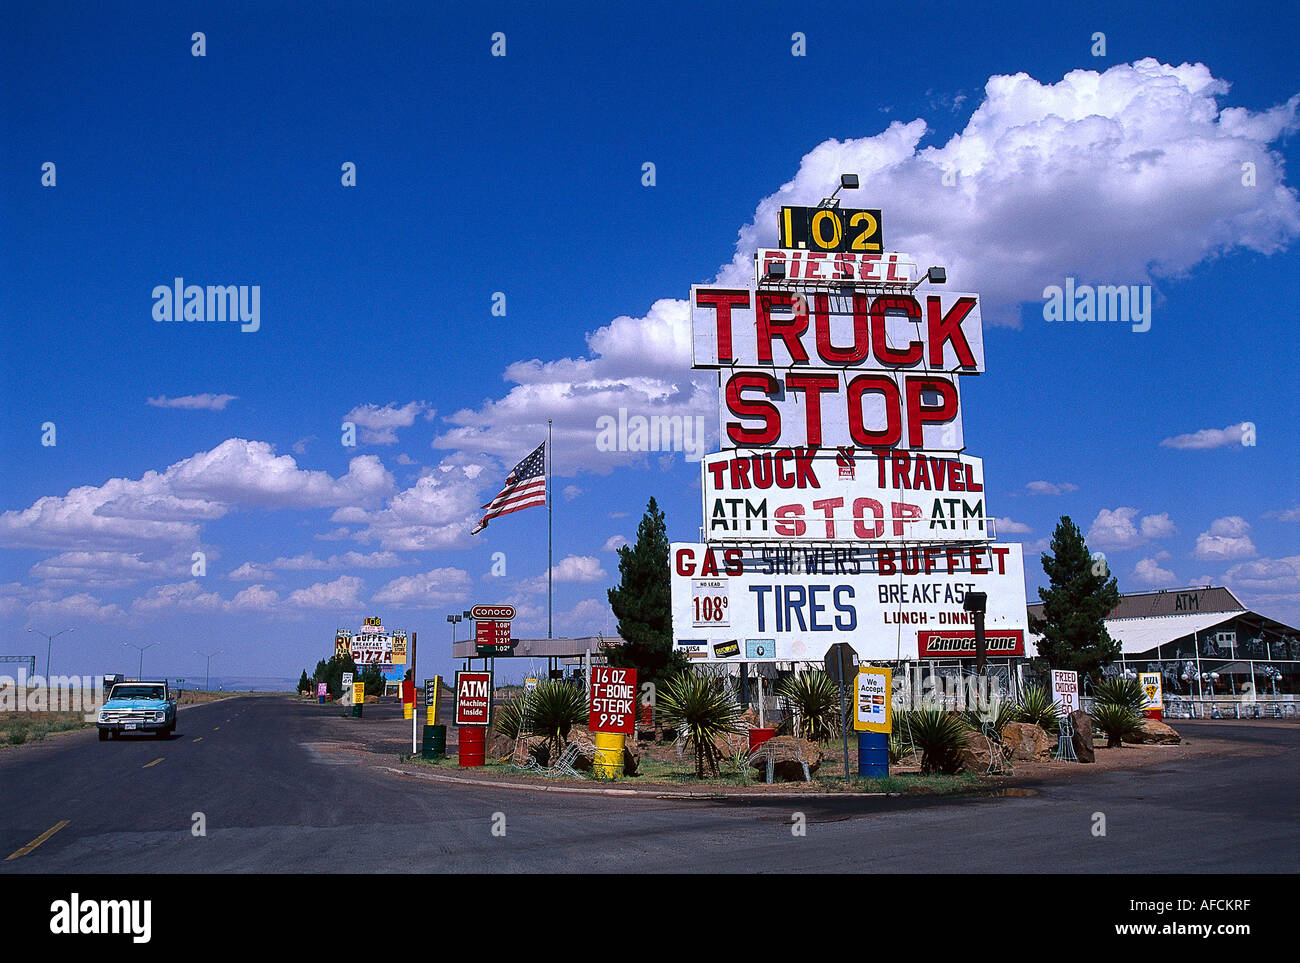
(525,487)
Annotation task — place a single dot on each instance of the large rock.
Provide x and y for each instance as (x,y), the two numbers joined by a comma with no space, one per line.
(631,751)
(1082,738)
(501,747)
(786,755)
(977,754)
(1152,732)
(1026,742)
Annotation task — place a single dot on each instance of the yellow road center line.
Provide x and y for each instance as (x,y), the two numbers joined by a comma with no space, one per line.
(154,763)
(37,841)
(199,739)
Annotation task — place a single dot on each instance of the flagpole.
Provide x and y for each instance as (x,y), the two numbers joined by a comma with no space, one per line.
(549,566)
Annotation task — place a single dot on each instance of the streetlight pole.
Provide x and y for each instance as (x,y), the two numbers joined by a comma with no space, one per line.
(140,671)
(453,619)
(207,679)
(49,645)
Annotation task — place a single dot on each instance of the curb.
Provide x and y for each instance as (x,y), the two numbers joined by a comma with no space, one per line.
(637,793)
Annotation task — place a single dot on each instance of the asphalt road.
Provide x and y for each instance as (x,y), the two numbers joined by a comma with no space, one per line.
(272,803)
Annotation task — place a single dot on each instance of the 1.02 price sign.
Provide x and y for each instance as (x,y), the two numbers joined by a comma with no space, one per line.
(613,700)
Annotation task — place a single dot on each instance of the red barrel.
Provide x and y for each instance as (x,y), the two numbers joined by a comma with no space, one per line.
(759,736)
(472,745)
(1156,714)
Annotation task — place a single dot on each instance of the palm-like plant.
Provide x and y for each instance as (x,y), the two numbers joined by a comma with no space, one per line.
(554,708)
(704,710)
(1117,721)
(1121,692)
(996,717)
(816,699)
(940,735)
(510,716)
(1038,708)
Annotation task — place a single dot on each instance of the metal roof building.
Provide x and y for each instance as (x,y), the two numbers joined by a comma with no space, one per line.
(1203,641)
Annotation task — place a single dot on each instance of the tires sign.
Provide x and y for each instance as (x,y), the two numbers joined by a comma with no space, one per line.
(790,602)
(613,700)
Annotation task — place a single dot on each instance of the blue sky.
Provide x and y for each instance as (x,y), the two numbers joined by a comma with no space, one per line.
(523,175)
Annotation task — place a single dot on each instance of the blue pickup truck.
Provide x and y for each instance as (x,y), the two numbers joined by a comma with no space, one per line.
(137,707)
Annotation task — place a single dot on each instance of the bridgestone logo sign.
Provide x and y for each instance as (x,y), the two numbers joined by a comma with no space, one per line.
(942,644)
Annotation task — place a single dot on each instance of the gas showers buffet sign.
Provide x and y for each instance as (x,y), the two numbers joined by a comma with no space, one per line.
(782,602)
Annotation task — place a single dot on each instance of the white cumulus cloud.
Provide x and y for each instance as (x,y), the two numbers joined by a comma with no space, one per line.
(1227,540)
(1206,438)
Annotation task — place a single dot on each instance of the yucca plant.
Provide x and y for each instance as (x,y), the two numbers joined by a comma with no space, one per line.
(1036,707)
(703,710)
(996,717)
(816,699)
(940,735)
(900,744)
(1117,721)
(510,717)
(1121,692)
(555,707)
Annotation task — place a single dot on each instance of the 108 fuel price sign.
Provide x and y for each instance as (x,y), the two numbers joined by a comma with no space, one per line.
(709,603)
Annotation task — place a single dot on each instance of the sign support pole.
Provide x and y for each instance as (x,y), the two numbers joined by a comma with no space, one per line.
(844,727)
(550,564)
(415,746)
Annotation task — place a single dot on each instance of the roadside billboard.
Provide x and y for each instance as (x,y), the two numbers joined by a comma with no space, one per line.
(843,494)
(790,603)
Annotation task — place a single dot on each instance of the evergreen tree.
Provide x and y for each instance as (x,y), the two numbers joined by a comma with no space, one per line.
(1080,594)
(642,603)
(333,675)
(304,684)
(373,679)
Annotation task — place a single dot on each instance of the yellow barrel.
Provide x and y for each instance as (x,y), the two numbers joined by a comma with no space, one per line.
(608,763)
(408,710)
(431,716)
